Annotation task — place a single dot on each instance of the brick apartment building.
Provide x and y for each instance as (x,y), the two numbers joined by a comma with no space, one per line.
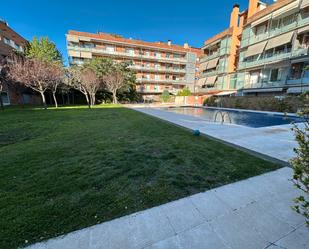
(9,41)
(264,51)
(158,65)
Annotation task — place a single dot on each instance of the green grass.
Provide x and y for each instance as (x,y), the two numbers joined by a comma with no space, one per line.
(62,170)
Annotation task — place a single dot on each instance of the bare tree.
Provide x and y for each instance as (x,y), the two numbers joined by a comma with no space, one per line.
(91,83)
(55,79)
(74,80)
(114,81)
(33,73)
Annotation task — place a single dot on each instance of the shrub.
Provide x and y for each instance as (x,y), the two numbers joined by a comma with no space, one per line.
(301,162)
(165,96)
(184,92)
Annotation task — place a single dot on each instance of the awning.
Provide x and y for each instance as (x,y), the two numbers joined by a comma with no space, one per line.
(298,89)
(201,81)
(266,90)
(285,11)
(303,30)
(226,93)
(261,20)
(203,66)
(279,40)
(211,80)
(304,4)
(256,49)
(213,63)
(72,38)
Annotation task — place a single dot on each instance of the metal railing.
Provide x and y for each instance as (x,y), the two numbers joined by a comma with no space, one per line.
(161,69)
(123,54)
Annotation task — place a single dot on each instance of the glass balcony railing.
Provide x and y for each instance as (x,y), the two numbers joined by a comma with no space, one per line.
(123,54)
(210,57)
(161,69)
(165,81)
(265,60)
(264,84)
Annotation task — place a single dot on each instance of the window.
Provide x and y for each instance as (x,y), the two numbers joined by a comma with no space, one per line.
(157,66)
(157,77)
(158,55)
(6,41)
(168,55)
(110,48)
(274,75)
(129,51)
(148,76)
(260,30)
(147,53)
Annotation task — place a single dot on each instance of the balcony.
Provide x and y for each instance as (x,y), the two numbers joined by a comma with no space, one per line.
(127,55)
(274,84)
(161,69)
(209,57)
(265,60)
(163,81)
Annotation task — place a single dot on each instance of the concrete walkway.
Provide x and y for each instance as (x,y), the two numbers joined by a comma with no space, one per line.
(254,213)
(274,141)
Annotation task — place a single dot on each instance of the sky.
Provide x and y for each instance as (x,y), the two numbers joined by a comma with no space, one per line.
(159,20)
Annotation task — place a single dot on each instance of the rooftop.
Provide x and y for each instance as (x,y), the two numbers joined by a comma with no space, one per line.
(120,39)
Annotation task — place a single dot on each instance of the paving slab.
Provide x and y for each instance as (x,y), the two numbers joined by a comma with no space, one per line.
(182,215)
(270,227)
(209,205)
(236,233)
(295,240)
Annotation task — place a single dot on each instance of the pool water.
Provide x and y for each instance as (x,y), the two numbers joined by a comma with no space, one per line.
(239,117)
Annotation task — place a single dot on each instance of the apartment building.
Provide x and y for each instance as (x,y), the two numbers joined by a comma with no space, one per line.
(158,65)
(220,58)
(9,41)
(273,56)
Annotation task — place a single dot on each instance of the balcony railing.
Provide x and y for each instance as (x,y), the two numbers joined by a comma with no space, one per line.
(123,54)
(265,60)
(163,81)
(265,84)
(209,57)
(161,69)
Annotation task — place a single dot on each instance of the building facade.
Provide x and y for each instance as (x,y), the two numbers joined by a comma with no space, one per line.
(264,51)
(9,41)
(159,66)
(274,50)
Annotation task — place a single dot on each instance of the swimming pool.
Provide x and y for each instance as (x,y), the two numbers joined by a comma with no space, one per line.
(239,117)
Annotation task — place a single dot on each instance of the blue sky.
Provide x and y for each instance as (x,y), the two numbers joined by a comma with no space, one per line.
(158,20)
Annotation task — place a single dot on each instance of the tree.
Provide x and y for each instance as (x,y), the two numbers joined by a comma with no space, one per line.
(114,81)
(43,49)
(56,78)
(184,92)
(33,73)
(165,96)
(91,83)
(301,162)
(74,79)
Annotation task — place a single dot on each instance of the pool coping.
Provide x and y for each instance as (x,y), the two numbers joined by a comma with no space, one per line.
(241,148)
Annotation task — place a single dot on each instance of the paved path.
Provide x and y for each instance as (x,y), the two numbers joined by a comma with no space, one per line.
(276,141)
(250,214)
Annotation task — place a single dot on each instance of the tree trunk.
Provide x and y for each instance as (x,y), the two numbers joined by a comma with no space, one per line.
(1,101)
(87,99)
(43,99)
(93,99)
(55,99)
(115,97)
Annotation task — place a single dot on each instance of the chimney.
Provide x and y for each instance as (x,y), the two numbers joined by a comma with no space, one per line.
(169,42)
(186,45)
(234,16)
(253,7)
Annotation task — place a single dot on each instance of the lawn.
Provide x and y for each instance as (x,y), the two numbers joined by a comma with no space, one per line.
(66,169)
